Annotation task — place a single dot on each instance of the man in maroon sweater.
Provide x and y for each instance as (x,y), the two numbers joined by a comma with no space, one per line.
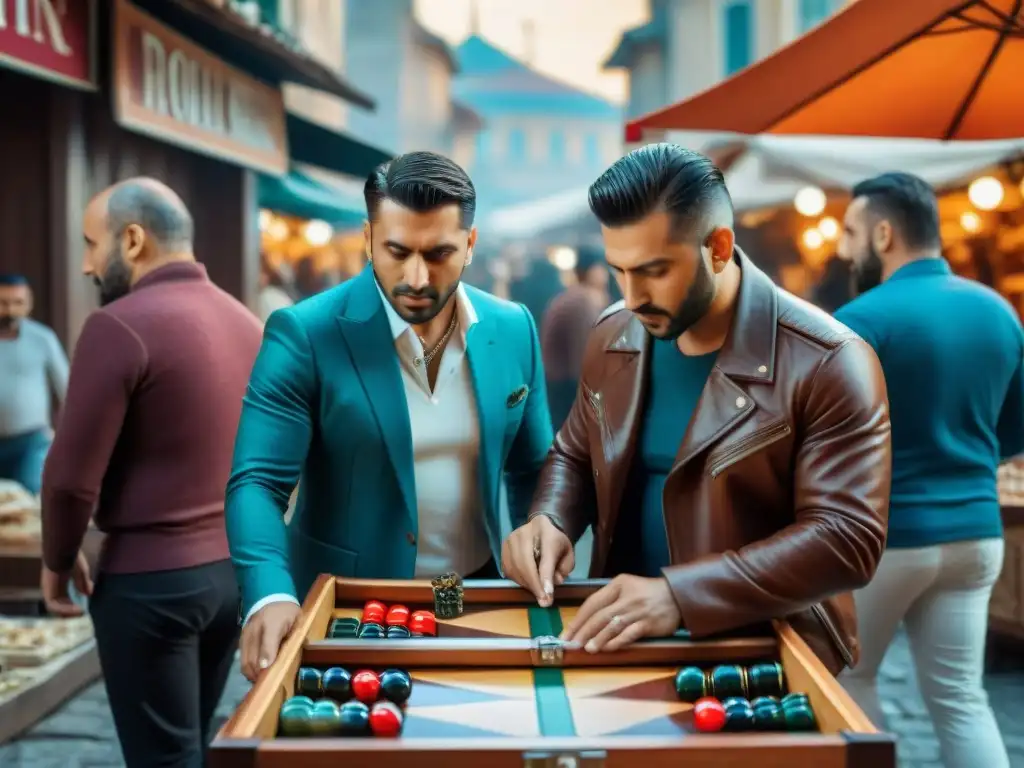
(145,441)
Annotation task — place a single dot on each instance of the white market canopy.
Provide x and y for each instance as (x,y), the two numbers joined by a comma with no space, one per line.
(767,171)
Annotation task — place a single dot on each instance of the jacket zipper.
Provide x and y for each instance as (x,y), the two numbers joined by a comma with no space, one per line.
(826,621)
(746,448)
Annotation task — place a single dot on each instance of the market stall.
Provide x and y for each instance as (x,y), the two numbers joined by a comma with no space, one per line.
(43,661)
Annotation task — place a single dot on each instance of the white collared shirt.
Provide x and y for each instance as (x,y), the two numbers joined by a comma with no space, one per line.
(446,448)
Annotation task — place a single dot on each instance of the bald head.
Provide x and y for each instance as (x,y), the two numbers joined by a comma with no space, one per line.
(131,229)
(152,206)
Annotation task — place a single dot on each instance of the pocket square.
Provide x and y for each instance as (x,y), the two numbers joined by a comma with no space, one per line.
(517,397)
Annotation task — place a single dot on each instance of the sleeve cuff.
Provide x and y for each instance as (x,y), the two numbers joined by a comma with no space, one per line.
(261,604)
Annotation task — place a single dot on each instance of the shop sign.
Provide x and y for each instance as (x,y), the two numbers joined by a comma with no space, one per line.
(167,87)
(51,39)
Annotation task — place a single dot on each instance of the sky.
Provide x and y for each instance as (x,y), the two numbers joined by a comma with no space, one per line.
(571,38)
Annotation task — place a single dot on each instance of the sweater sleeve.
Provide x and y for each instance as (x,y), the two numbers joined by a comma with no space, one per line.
(107,364)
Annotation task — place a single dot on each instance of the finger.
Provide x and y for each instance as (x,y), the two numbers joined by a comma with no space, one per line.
(598,601)
(63,607)
(559,579)
(614,626)
(270,644)
(526,566)
(549,557)
(635,631)
(82,582)
(599,621)
(566,564)
(251,649)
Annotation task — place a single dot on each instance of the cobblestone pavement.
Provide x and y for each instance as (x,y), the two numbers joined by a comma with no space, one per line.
(81,735)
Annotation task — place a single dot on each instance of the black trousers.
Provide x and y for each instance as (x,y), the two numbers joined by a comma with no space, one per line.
(166,643)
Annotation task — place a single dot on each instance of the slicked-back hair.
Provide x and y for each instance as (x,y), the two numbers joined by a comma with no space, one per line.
(662,177)
(421,182)
(908,203)
(12,280)
(164,217)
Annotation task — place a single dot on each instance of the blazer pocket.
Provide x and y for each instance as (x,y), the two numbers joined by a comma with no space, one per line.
(723,458)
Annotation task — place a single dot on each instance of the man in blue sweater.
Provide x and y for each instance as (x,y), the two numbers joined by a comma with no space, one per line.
(951,350)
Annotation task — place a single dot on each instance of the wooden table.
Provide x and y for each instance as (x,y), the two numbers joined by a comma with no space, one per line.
(55,683)
(492,690)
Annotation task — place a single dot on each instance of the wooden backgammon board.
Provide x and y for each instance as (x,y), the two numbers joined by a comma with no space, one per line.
(474,675)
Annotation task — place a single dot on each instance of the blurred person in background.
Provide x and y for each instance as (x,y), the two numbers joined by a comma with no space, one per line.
(835,287)
(309,280)
(33,378)
(537,288)
(144,444)
(952,351)
(274,293)
(567,324)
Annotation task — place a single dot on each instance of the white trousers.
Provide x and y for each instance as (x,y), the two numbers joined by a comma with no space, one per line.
(941,595)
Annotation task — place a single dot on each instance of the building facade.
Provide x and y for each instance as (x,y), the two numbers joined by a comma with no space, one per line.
(688,46)
(411,70)
(539,137)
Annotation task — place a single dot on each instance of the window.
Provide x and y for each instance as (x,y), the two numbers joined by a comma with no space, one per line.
(739,36)
(592,150)
(810,13)
(556,146)
(517,145)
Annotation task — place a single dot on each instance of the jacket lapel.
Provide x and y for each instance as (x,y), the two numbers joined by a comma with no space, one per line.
(364,326)
(487,368)
(748,355)
(619,418)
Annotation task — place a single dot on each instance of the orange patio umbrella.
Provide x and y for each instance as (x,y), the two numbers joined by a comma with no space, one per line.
(929,69)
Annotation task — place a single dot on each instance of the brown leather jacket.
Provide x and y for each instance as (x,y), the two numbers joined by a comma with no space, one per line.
(778,501)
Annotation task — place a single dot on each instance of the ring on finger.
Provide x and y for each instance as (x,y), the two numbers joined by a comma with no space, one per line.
(615,622)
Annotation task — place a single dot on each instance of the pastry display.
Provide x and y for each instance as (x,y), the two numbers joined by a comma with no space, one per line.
(19,515)
(30,642)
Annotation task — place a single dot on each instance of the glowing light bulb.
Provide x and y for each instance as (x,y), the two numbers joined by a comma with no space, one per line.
(809,201)
(970,221)
(985,193)
(813,239)
(829,228)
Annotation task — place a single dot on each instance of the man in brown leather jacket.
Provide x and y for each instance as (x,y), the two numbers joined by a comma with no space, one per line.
(729,443)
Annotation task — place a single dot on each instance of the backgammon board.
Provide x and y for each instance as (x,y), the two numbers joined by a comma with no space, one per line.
(488,684)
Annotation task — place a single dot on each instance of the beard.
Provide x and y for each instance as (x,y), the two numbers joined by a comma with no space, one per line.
(868,271)
(8,323)
(419,316)
(116,280)
(690,311)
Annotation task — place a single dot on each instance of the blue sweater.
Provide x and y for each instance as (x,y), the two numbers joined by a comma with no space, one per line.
(675,383)
(952,352)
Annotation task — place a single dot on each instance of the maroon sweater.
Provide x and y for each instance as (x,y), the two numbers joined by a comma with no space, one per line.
(148,428)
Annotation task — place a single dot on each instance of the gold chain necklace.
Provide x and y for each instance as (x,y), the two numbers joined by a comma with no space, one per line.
(428,356)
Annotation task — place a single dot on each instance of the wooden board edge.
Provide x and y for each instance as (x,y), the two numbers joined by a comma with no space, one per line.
(31,704)
(474,591)
(232,753)
(709,751)
(255,715)
(870,750)
(835,710)
(522,652)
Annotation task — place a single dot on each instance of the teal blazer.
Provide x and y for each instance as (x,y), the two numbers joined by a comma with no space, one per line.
(326,403)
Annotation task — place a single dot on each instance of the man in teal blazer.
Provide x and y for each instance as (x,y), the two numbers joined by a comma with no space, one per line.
(401,398)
